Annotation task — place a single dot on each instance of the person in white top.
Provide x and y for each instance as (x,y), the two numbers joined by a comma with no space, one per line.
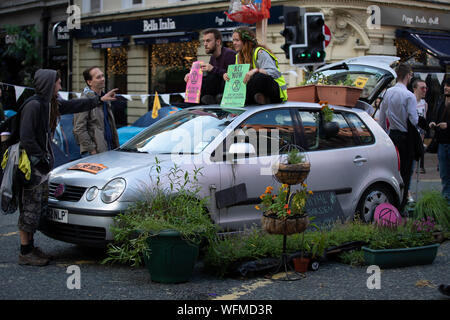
(420,89)
(399,105)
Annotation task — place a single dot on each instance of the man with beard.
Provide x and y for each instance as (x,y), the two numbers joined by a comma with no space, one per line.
(221,57)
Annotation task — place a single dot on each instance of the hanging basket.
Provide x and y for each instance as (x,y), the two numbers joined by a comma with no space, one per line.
(285,226)
(292,174)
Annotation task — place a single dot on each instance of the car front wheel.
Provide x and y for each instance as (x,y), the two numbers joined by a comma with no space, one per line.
(371,198)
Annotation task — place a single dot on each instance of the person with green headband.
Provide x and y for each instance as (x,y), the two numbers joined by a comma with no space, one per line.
(264,81)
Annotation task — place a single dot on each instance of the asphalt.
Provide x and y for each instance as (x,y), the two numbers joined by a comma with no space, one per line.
(333,281)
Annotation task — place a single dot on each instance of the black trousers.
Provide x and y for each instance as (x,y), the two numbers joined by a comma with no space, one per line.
(212,84)
(400,140)
(265,84)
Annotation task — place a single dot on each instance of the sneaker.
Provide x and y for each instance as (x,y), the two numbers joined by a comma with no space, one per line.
(41,254)
(32,259)
(208,99)
(422,170)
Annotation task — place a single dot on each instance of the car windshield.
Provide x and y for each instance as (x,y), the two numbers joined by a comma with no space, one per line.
(350,74)
(187,131)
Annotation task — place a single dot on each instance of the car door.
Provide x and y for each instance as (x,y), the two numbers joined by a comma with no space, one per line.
(339,162)
(267,131)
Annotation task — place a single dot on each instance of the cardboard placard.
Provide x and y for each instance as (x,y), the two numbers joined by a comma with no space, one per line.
(235,89)
(89,167)
(194,84)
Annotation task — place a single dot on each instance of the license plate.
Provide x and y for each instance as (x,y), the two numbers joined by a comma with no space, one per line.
(58,215)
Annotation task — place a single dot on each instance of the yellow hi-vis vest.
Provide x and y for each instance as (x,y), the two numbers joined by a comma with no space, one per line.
(281,82)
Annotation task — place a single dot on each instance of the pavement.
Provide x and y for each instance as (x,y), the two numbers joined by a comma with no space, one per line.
(429,180)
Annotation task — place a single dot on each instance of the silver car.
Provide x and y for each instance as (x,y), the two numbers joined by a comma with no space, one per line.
(236,149)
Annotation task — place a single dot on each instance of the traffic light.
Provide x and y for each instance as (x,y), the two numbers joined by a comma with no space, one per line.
(313,51)
(293,27)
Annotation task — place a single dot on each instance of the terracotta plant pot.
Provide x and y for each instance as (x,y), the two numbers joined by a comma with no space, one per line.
(303,93)
(339,95)
(301,264)
(292,174)
(274,225)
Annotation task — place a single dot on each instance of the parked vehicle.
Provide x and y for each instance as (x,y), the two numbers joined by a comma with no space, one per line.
(236,148)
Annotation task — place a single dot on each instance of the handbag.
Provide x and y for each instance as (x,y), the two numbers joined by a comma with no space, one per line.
(433,146)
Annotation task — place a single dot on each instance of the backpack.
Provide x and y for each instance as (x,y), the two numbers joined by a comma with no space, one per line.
(12,125)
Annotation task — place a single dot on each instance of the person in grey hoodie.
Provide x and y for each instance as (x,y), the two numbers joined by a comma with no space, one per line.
(38,120)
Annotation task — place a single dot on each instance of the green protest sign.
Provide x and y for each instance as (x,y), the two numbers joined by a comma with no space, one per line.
(235,89)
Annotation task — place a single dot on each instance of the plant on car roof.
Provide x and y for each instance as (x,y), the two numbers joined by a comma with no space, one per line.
(327,112)
(176,207)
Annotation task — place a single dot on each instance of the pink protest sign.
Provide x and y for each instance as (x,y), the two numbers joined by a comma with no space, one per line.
(387,215)
(194,84)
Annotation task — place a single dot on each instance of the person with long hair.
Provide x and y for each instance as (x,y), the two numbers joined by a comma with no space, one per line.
(265,83)
(38,120)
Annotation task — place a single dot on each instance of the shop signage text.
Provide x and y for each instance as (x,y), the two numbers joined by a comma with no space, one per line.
(61,31)
(158,25)
(186,23)
(414,19)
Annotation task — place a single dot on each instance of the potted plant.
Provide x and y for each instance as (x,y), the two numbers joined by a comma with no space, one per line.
(341,94)
(307,90)
(164,228)
(433,205)
(405,245)
(293,169)
(301,263)
(281,215)
(330,128)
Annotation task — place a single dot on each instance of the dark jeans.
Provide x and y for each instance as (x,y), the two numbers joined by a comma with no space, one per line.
(444,169)
(265,84)
(400,140)
(212,84)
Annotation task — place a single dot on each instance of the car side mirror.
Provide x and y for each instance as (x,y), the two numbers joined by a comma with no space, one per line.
(241,149)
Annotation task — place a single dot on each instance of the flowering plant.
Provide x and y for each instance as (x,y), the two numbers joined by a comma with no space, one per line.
(327,112)
(279,205)
(405,235)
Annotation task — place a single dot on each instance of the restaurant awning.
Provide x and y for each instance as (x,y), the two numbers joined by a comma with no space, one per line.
(109,43)
(169,37)
(436,44)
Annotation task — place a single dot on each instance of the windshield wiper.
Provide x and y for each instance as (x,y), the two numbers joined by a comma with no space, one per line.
(132,150)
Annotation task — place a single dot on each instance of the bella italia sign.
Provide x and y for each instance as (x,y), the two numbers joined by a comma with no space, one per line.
(414,19)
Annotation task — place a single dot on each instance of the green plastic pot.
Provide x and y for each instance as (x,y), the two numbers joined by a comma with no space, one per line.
(404,257)
(171,259)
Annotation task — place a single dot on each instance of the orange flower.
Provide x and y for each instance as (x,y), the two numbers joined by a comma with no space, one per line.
(289,212)
(310,192)
(257,208)
(286,206)
(262,196)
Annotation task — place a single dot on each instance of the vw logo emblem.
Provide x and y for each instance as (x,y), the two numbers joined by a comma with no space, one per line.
(59,191)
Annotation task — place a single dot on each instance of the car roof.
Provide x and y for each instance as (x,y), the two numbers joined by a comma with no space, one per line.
(382,62)
(288,104)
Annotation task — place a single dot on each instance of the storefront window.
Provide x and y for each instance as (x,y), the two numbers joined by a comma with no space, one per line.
(169,63)
(116,77)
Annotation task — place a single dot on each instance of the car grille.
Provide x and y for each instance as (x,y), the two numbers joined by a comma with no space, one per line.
(71,193)
(74,233)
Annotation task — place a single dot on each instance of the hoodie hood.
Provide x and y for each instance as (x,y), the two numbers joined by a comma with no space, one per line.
(44,83)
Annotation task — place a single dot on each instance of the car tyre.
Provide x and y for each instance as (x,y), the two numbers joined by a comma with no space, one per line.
(371,198)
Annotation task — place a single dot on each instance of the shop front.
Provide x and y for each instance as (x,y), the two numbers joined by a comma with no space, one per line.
(144,56)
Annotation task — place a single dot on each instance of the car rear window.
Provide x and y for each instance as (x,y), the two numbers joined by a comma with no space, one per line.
(360,128)
(314,132)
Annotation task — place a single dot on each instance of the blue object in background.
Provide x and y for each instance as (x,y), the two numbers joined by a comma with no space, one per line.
(126,133)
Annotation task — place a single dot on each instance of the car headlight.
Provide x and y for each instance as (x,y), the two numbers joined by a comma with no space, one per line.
(91,193)
(113,190)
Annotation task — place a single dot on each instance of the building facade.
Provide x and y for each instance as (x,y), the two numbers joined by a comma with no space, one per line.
(146,46)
